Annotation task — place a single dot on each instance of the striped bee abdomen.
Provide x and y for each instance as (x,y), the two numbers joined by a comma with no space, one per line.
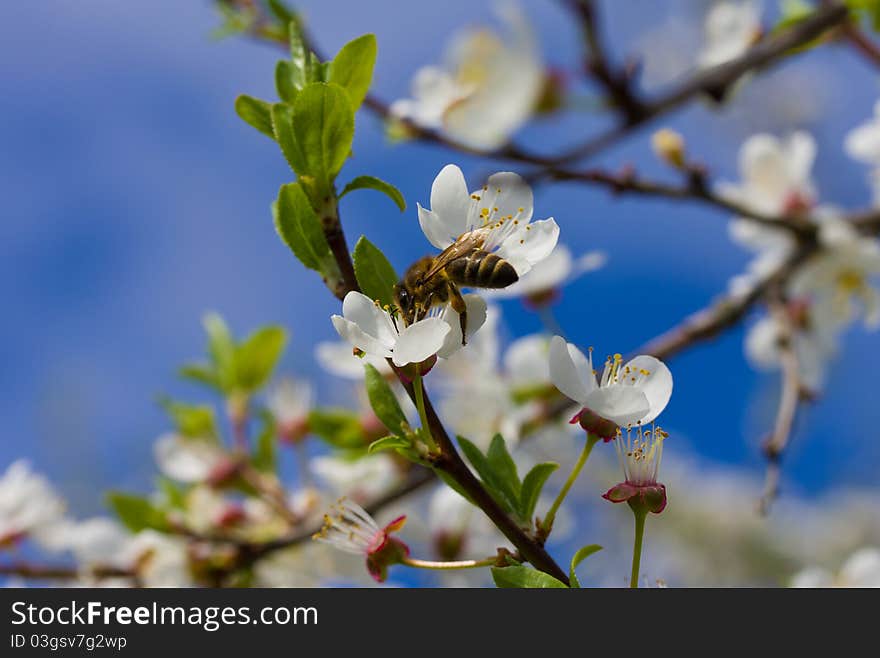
(480,269)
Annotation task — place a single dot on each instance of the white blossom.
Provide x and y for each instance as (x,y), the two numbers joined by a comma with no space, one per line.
(338,359)
(372,329)
(188,459)
(730,28)
(498,214)
(627,393)
(363,479)
(487,88)
(28,504)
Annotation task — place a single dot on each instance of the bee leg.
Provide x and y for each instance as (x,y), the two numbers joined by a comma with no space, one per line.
(458,305)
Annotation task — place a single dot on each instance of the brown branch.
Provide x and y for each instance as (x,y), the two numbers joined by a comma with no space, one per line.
(790,396)
(617,83)
(862,43)
(53,572)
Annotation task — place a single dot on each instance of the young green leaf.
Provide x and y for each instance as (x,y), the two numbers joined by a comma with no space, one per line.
(523,576)
(281,11)
(284,83)
(340,428)
(384,403)
(221,348)
(300,229)
(389,443)
(282,127)
(202,374)
(487,474)
(577,558)
(264,457)
(257,356)
(193,421)
(323,129)
(375,275)
(136,512)
(352,68)
(504,468)
(532,485)
(256,113)
(373,183)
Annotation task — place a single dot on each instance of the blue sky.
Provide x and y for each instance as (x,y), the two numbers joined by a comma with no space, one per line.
(135,200)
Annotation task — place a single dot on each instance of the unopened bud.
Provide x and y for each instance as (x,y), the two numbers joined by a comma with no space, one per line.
(668,145)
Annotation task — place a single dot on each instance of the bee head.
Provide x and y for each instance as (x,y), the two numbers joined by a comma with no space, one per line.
(405,303)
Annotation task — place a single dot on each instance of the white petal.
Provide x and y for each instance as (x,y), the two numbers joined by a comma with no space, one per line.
(437,233)
(570,370)
(185,459)
(801,155)
(371,319)
(450,200)
(476,316)
(337,359)
(624,405)
(530,244)
(509,193)
(358,338)
(419,341)
(657,386)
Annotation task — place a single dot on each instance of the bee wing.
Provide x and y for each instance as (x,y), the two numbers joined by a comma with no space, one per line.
(465,245)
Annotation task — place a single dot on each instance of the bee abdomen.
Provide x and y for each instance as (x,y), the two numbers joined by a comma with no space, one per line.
(482,270)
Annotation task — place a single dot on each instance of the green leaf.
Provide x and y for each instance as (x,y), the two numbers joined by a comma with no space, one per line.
(221,348)
(373,183)
(389,443)
(375,275)
(323,129)
(136,512)
(487,474)
(532,485)
(200,373)
(300,57)
(504,468)
(523,576)
(284,84)
(352,68)
(577,558)
(282,127)
(257,356)
(383,401)
(264,457)
(300,229)
(340,428)
(256,113)
(192,421)
(174,496)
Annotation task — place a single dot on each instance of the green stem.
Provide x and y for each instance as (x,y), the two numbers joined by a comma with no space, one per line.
(443,566)
(423,416)
(640,515)
(547,523)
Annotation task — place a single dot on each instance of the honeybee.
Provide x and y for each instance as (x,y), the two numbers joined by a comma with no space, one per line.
(434,280)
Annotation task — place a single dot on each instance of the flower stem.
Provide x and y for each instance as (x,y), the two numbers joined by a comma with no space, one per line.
(423,416)
(442,566)
(640,515)
(547,523)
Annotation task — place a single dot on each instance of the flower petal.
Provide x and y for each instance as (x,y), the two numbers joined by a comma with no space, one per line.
(371,319)
(510,194)
(450,200)
(476,316)
(656,385)
(624,405)
(434,229)
(358,338)
(419,341)
(570,370)
(529,244)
